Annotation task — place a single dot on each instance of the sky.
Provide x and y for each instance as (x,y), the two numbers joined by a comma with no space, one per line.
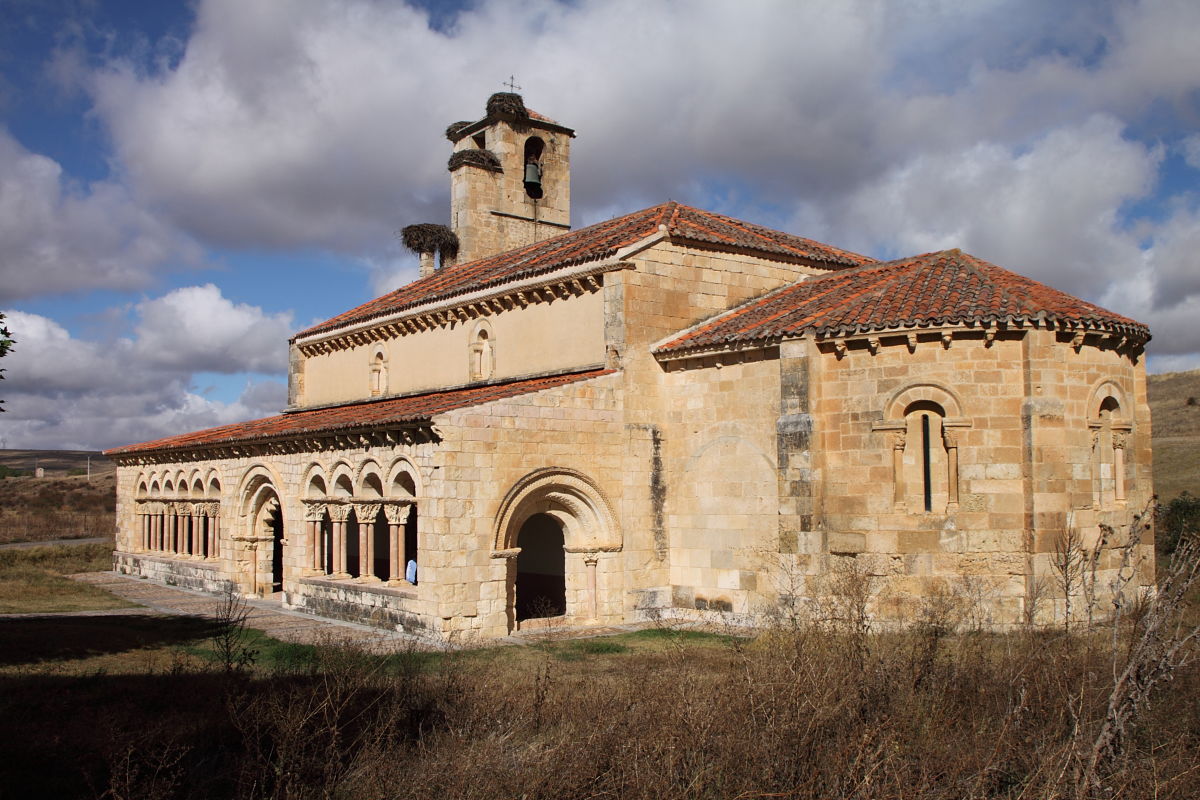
(183,185)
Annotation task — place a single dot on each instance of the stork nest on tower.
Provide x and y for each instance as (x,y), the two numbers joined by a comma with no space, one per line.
(507,103)
(426,237)
(476,158)
(455,128)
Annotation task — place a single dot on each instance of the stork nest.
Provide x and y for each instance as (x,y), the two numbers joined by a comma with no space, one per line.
(476,158)
(426,237)
(506,103)
(455,128)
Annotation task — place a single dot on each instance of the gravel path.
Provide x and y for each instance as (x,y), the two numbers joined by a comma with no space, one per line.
(266,615)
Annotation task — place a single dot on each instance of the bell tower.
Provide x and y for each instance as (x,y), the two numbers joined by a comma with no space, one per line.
(510,179)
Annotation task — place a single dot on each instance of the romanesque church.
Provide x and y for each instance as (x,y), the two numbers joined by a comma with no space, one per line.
(670,413)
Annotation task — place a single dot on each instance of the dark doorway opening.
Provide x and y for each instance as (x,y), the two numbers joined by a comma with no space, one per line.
(541,569)
(352,549)
(409,567)
(379,537)
(276,525)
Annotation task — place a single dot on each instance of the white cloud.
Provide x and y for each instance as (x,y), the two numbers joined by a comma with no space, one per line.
(1050,212)
(62,391)
(57,236)
(1191,150)
(197,329)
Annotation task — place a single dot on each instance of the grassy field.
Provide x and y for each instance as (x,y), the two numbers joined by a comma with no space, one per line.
(65,504)
(1175,412)
(144,708)
(32,580)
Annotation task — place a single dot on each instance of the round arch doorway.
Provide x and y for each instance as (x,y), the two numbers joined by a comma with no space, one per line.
(541,579)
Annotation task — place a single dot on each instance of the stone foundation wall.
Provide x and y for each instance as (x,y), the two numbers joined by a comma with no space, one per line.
(197,576)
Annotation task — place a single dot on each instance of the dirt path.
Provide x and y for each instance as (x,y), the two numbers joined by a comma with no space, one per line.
(265,615)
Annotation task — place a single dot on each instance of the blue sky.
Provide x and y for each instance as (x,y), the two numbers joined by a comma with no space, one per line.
(183,185)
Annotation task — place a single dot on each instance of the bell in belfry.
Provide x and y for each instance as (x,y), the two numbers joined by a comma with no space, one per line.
(533,175)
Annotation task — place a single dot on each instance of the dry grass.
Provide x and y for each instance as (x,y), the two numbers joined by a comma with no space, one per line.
(60,505)
(32,579)
(1176,427)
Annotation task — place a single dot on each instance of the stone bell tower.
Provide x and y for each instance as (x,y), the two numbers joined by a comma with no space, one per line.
(510,179)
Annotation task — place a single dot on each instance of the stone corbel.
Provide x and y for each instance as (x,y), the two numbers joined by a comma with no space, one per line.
(912,343)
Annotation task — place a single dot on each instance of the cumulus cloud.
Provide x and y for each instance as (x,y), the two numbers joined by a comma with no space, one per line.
(63,391)
(197,329)
(59,236)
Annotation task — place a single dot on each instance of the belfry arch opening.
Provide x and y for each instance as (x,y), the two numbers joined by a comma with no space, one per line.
(534,146)
(541,578)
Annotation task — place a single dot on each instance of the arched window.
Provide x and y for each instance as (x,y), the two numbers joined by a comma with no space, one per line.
(378,373)
(483,353)
(922,424)
(1110,434)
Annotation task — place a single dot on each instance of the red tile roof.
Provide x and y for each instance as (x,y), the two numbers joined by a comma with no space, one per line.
(355,416)
(593,243)
(949,287)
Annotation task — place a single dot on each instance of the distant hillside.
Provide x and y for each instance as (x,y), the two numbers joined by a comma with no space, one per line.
(1175,411)
(57,463)
(64,504)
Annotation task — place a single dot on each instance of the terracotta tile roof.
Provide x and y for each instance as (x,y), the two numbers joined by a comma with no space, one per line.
(355,416)
(593,243)
(949,287)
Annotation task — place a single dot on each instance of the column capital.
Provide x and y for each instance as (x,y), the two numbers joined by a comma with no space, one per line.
(1119,440)
(314,510)
(338,512)
(366,512)
(397,513)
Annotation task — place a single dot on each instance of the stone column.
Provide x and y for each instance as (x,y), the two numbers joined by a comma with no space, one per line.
(155,528)
(397,516)
(366,514)
(1097,471)
(199,535)
(951,441)
(314,513)
(214,530)
(591,559)
(339,514)
(899,490)
(1119,441)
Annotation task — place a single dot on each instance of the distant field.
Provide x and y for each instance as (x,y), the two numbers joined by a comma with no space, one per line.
(63,505)
(1175,412)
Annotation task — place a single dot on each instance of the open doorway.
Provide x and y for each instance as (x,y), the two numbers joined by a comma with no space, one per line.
(541,584)
(275,525)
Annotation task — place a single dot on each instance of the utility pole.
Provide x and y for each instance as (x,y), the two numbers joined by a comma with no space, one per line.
(89,469)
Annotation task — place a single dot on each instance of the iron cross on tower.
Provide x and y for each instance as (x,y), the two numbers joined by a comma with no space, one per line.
(511,83)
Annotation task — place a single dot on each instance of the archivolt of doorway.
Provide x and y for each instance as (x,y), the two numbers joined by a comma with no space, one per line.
(524,536)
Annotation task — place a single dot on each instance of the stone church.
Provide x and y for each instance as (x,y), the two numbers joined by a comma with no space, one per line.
(672,412)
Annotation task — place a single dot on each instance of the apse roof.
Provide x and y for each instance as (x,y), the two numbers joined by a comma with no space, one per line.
(947,287)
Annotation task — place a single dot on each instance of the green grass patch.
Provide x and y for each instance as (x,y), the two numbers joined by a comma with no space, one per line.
(32,580)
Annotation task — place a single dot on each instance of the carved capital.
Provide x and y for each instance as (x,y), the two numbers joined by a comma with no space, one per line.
(1119,440)
(896,438)
(213,509)
(397,513)
(338,512)
(182,509)
(950,439)
(314,510)
(366,512)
